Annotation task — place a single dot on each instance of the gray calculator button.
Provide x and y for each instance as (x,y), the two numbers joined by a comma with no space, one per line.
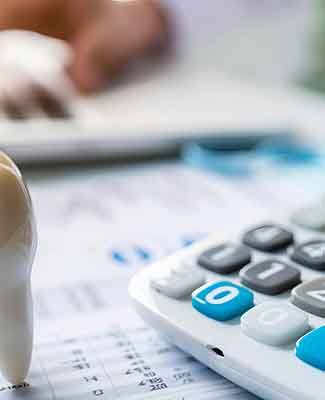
(270,276)
(225,258)
(268,237)
(310,254)
(310,217)
(177,281)
(310,296)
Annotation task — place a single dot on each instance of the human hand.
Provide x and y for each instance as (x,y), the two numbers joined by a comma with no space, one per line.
(104,35)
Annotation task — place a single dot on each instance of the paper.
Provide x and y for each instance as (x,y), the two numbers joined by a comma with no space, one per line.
(96,229)
(111,354)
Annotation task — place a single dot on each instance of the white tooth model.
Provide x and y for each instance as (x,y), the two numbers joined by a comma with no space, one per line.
(17,249)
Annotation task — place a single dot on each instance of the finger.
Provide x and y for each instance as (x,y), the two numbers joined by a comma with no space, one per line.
(128,30)
(16,100)
(49,103)
(31,101)
(138,26)
(11,109)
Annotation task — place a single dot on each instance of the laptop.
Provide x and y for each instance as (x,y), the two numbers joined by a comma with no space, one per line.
(210,88)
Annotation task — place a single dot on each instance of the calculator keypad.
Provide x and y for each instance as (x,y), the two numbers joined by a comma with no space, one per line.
(310,296)
(270,276)
(225,258)
(274,324)
(310,254)
(222,300)
(268,238)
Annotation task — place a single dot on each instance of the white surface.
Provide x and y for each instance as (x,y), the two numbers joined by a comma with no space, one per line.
(190,100)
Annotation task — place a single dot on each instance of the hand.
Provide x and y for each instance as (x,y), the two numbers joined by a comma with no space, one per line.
(105,35)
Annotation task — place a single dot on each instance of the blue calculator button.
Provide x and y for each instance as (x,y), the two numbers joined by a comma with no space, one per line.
(311,348)
(222,300)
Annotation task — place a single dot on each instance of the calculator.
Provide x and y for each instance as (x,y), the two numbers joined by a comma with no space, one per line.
(250,306)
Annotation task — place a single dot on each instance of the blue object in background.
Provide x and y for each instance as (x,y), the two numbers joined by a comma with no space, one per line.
(188,242)
(129,254)
(142,253)
(287,150)
(228,161)
(222,300)
(240,155)
(118,257)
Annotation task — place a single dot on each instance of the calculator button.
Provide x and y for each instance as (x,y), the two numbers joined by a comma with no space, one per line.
(274,324)
(268,238)
(222,300)
(311,348)
(225,258)
(312,217)
(178,281)
(310,296)
(310,254)
(270,276)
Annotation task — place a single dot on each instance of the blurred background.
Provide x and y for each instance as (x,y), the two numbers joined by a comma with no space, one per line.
(268,40)
(277,45)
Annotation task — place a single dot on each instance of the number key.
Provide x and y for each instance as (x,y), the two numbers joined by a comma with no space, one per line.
(225,258)
(268,238)
(178,281)
(270,276)
(274,324)
(222,301)
(310,296)
(310,254)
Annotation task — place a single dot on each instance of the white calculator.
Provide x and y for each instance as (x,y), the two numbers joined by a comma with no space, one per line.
(250,307)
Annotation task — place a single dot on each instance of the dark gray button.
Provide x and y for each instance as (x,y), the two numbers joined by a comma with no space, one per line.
(268,238)
(270,276)
(310,254)
(310,296)
(225,258)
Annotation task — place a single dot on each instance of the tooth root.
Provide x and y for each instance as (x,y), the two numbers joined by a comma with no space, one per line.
(17,245)
(16,336)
